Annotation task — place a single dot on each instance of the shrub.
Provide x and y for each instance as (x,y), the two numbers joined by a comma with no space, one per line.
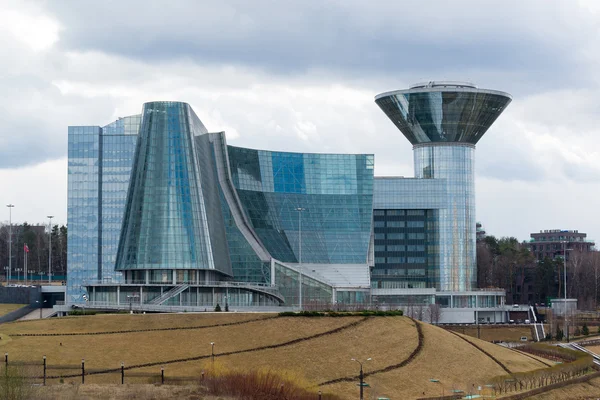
(217,308)
(258,385)
(548,336)
(81,312)
(14,384)
(330,313)
(585,330)
(577,331)
(559,334)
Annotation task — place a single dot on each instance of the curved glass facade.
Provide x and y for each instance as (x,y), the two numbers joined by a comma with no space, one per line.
(443,114)
(171,221)
(456,220)
(334,191)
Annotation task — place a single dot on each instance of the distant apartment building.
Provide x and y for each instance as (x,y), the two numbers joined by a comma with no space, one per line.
(551,243)
(479,232)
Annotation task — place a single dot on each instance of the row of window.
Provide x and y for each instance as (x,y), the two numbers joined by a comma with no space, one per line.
(400,247)
(399,260)
(399,236)
(399,224)
(398,212)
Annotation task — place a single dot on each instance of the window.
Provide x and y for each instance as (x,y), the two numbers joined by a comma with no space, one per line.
(395,212)
(415,212)
(416,272)
(378,212)
(395,224)
(395,236)
(416,224)
(395,247)
(395,260)
(379,224)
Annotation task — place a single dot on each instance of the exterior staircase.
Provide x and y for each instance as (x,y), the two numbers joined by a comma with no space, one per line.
(167,295)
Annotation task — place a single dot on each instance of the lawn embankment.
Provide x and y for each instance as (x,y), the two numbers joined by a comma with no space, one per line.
(491,333)
(7,308)
(316,350)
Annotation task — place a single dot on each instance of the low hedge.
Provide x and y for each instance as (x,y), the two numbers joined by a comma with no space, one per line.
(329,313)
(574,364)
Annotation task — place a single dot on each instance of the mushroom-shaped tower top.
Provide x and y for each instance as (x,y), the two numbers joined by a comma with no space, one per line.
(442,112)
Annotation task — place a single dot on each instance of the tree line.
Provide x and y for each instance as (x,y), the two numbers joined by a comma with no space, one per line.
(509,264)
(37,239)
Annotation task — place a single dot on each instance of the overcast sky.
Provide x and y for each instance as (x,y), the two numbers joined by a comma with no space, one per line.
(301,76)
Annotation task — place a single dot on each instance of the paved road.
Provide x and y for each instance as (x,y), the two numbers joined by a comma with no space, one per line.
(46,312)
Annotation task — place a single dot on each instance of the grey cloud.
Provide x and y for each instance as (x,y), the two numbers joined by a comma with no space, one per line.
(349,37)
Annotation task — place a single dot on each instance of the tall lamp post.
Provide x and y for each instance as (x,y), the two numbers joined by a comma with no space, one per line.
(300,209)
(50,248)
(10,207)
(41,305)
(131,297)
(361,376)
(212,353)
(565,290)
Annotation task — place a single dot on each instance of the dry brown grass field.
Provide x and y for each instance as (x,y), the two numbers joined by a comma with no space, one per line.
(387,340)
(490,333)
(6,308)
(594,349)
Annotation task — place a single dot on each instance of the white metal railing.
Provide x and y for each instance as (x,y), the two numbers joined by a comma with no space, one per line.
(202,283)
(171,293)
(163,308)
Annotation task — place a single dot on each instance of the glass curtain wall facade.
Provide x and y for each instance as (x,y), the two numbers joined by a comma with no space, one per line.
(118,148)
(99,166)
(456,221)
(444,121)
(201,216)
(173,218)
(405,257)
(334,193)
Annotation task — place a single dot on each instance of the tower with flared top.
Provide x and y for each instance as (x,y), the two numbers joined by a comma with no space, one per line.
(444,121)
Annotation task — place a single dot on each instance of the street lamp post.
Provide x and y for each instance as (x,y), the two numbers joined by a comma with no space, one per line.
(131,297)
(50,248)
(361,376)
(10,207)
(300,209)
(212,353)
(565,289)
(41,305)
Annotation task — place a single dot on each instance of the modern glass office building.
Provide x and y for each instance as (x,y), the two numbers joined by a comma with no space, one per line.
(444,121)
(201,222)
(163,213)
(99,166)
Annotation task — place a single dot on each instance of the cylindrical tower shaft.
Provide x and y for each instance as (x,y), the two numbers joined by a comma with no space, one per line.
(455,239)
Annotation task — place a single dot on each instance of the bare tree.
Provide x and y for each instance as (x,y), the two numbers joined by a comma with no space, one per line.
(419,311)
(435,313)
